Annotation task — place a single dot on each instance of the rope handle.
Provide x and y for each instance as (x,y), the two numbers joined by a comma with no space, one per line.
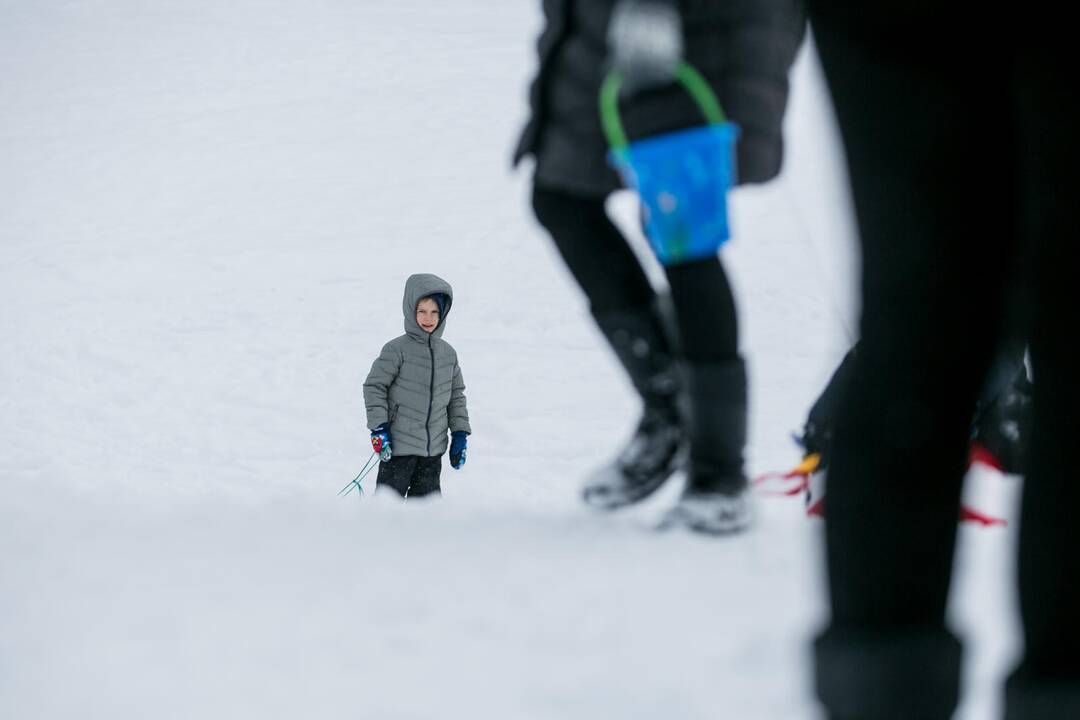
(797,479)
(355,482)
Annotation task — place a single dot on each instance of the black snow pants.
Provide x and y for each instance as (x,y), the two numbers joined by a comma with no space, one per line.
(410,475)
(609,273)
(962,162)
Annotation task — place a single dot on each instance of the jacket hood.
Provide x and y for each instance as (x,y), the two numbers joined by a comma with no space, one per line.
(418,287)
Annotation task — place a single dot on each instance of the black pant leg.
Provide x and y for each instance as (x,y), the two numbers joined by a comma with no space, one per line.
(594,250)
(935,267)
(705,311)
(425,479)
(609,273)
(395,474)
(1047,683)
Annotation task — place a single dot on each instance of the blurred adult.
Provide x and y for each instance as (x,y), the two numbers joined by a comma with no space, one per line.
(744,48)
(959,129)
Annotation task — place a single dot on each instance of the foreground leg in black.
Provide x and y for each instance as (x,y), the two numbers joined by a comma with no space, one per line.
(936,266)
(1047,682)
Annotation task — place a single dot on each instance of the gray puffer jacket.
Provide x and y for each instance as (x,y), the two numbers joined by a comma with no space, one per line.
(415,384)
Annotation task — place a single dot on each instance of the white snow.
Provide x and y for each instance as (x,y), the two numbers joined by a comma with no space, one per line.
(208,212)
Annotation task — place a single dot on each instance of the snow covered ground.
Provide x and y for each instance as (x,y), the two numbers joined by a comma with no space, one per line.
(207,213)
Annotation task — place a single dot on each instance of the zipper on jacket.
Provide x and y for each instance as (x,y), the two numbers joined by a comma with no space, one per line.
(431,396)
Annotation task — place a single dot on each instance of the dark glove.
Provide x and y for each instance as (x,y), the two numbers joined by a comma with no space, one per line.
(458,445)
(380,442)
(645,43)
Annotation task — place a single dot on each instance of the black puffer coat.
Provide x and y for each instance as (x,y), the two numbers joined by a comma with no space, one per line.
(743,47)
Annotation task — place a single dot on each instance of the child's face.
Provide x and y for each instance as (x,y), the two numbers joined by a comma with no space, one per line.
(427,315)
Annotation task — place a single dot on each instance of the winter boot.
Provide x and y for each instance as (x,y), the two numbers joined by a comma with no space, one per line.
(716,498)
(888,673)
(655,451)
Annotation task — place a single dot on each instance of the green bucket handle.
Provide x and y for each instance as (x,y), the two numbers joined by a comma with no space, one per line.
(685,73)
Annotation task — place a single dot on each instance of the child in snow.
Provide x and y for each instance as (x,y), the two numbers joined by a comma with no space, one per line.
(415,393)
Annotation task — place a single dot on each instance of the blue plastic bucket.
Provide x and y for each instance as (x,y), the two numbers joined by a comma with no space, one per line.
(682,177)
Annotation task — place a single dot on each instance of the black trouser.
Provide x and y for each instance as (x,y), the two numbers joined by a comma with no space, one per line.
(1007,367)
(410,474)
(605,267)
(959,164)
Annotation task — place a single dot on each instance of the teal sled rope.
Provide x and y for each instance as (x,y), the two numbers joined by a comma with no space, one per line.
(355,482)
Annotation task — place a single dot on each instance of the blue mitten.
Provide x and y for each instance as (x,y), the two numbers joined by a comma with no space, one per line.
(380,442)
(458,445)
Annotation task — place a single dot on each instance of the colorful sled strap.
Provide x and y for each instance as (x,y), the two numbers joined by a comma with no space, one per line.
(796,480)
(355,482)
(971,515)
